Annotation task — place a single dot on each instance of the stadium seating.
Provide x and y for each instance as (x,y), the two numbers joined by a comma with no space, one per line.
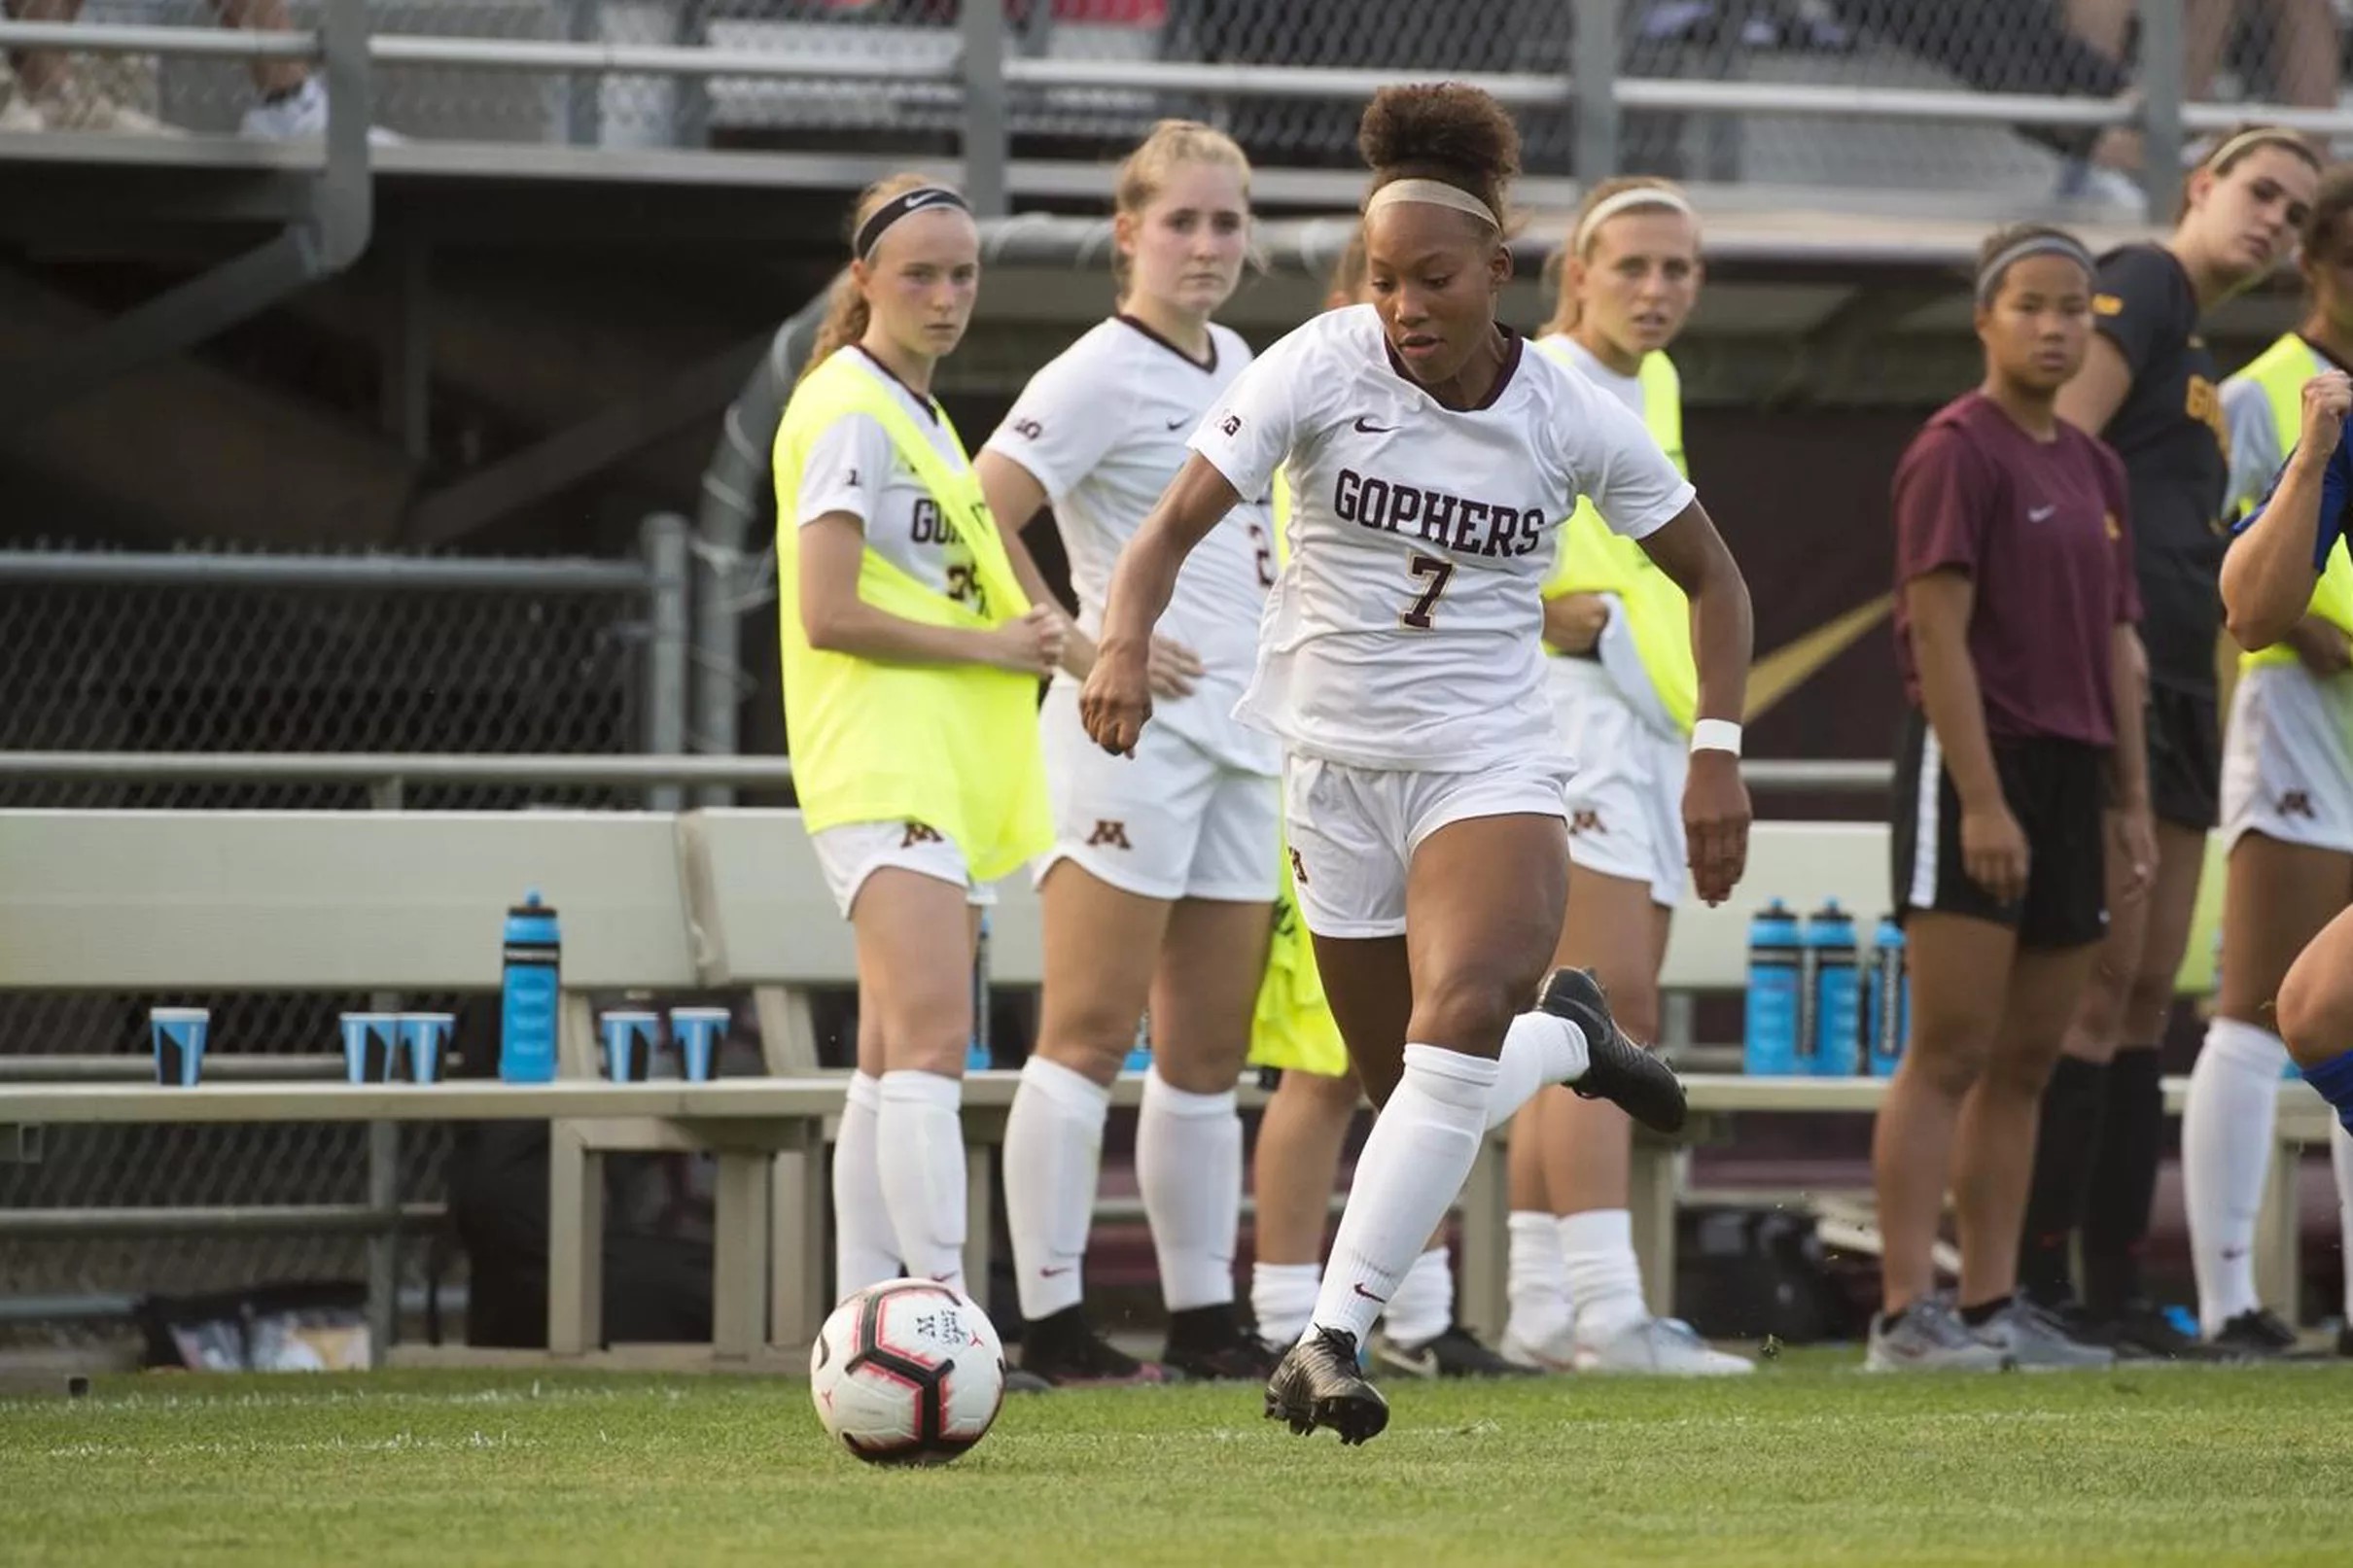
(194,901)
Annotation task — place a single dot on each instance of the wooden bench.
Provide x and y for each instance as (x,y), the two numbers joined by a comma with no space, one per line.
(392,901)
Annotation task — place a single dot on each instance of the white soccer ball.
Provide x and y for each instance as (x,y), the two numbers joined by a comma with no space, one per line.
(907,1372)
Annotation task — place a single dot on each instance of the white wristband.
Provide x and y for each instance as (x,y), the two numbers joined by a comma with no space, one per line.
(1715,735)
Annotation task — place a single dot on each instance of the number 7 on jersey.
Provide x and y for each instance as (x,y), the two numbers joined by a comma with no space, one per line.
(1440,573)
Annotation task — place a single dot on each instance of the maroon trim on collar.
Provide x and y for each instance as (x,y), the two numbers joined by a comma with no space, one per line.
(929,406)
(1513,346)
(1208,366)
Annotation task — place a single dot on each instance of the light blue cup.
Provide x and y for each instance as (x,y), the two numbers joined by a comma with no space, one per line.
(698,1032)
(423,1037)
(370,1042)
(178,1036)
(630,1039)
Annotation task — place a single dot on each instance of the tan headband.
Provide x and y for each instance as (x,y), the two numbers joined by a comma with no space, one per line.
(1640,195)
(1437,192)
(2247,140)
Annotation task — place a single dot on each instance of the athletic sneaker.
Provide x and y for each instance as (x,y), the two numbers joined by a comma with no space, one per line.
(1659,1347)
(1454,1353)
(2032,1338)
(2141,1332)
(1616,1068)
(1065,1351)
(1213,1344)
(1321,1384)
(1928,1337)
(2257,1332)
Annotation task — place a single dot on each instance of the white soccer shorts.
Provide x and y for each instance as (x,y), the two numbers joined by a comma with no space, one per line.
(1171,823)
(852,852)
(2287,767)
(1354,830)
(1626,797)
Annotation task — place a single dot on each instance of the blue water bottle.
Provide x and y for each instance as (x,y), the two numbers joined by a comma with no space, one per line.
(528,992)
(1837,1011)
(1887,999)
(1139,1054)
(978,1055)
(1774,953)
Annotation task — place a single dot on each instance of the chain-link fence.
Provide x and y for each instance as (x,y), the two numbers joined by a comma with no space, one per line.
(1082,77)
(204,652)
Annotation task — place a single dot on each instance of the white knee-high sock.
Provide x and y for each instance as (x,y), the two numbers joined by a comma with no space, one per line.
(1053,1154)
(1424,1303)
(1283,1299)
(2340,1157)
(922,1173)
(1413,1165)
(1539,1283)
(865,1249)
(1539,1049)
(1604,1281)
(1188,1169)
(2225,1152)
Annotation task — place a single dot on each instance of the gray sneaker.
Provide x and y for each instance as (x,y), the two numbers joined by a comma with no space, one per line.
(1929,1338)
(2035,1339)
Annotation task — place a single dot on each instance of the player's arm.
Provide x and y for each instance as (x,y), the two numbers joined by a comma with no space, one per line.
(2271,569)
(2129,760)
(1939,605)
(1118,695)
(837,620)
(2094,395)
(1716,810)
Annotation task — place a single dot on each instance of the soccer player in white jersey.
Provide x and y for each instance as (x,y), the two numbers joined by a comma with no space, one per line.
(1160,887)
(1622,686)
(1429,460)
(2287,815)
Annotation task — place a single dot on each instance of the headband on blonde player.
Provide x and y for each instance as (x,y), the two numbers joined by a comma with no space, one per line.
(1437,193)
(1628,200)
(871,232)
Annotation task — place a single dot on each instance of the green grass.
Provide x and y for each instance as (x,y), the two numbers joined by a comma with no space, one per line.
(1807,1463)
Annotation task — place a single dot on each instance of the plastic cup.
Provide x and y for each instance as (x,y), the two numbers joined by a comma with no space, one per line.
(370,1042)
(629,1045)
(423,1035)
(698,1032)
(178,1036)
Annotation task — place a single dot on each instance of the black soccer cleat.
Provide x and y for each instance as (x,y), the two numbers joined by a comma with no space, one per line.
(1616,1068)
(1213,1344)
(1321,1384)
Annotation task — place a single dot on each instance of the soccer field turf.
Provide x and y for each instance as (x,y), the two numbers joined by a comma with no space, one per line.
(1807,1463)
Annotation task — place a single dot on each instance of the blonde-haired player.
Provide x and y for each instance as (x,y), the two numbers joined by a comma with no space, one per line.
(1624,692)
(913,637)
(1159,888)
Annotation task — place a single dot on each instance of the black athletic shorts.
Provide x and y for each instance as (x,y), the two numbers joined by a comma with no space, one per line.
(2058,792)
(2184,756)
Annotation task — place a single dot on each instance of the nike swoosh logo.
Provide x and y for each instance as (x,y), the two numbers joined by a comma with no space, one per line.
(1358,1288)
(1179,423)
(1367,427)
(2039,514)
(924,199)
(1048,1273)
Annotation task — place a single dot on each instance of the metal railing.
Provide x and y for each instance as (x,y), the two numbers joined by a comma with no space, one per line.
(985,71)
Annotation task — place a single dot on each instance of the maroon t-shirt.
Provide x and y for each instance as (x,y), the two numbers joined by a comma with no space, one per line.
(2040,529)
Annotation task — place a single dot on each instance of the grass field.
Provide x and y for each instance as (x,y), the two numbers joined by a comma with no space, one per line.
(1807,1463)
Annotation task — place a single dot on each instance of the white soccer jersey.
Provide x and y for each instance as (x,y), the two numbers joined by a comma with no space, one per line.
(1102,429)
(1627,389)
(1404,633)
(853,467)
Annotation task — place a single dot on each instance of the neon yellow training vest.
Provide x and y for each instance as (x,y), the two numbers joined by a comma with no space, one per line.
(2281,371)
(951,745)
(1594,559)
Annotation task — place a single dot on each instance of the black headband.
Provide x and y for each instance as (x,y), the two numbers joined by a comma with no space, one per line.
(870,233)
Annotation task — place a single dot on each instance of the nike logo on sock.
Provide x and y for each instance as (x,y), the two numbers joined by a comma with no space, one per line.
(1358,1288)
(1048,1273)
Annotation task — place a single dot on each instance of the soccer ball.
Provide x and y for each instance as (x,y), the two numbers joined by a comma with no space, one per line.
(907,1372)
